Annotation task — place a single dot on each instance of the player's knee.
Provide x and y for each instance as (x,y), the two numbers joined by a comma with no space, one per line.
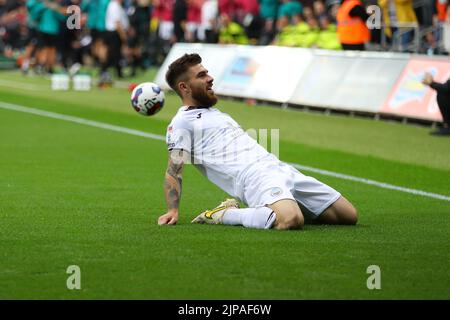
(297,221)
(289,219)
(350,217)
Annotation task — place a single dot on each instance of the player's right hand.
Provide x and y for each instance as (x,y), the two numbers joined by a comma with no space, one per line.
(170,218)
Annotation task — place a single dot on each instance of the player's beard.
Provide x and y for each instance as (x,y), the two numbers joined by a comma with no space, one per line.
(203,97)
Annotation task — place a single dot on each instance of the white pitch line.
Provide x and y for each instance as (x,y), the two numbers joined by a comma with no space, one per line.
(91,123)
(372,182)
(106,126)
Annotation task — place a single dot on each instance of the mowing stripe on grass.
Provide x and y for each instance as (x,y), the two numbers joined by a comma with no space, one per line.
(87,122)
(19,85)
(106,126)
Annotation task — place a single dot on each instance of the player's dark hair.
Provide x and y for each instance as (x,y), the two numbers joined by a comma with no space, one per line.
(178,69)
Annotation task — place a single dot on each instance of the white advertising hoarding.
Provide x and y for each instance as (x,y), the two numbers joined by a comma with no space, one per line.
(215,58)
(348,82)
(345,80)
(266,73)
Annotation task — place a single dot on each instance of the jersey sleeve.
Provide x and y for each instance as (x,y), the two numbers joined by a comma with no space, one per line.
(179,135)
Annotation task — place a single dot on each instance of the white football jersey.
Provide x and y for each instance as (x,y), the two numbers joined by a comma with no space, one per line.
(218,147)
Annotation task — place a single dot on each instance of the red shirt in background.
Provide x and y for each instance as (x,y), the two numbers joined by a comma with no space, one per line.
(194,11)
(229,7)
(163,9)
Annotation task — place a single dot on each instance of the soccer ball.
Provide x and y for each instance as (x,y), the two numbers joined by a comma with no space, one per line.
(147,98)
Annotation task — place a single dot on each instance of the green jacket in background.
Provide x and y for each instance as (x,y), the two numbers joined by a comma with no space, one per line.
(288,36)
(233,33)
(328,39)
(299,35)
(310,38)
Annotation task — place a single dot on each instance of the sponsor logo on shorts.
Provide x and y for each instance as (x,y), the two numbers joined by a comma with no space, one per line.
(275,192)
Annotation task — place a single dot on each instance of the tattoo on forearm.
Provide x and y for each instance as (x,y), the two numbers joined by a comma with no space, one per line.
(172,185)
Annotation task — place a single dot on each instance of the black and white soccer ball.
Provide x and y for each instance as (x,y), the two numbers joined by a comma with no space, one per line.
(147,98)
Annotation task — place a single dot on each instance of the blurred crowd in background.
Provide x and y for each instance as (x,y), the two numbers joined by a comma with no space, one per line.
(137,34)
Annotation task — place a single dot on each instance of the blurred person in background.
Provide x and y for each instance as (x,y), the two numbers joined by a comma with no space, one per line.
(286,13)
(50,16)
(289,8)
(116,24)
(132,50)
(69,45)
(162,21)
(308,13)
(90,8)
(230,8)
(209,22)
(311,37)
(179,18)
(143,15)
(268,11)
(328,38)
(138,35)
(425,13)
(13,29)
(351,25)
(251,20)
(333,7)
(430,45)
(292,32)
(193,20)
(394,14)
(99,46)
(442,16)
(319,9)
(231,32)
(297,32)
(443,101)
(32,41)
(443,11)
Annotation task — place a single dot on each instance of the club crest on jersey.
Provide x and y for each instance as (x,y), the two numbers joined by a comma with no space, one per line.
(275,192)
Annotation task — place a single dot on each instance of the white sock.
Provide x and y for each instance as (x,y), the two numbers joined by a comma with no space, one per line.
(258,218)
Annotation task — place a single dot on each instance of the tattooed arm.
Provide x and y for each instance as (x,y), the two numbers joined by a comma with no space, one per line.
(172,186)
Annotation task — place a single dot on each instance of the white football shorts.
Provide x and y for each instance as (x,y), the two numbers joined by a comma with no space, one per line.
(268,183)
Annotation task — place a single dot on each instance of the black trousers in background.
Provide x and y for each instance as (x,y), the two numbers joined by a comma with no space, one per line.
(114,44)
(443,101)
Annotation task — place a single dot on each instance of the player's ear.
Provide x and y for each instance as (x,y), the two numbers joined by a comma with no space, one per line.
(183,87)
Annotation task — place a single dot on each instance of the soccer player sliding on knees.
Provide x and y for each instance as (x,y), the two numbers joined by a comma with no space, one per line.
(278,196)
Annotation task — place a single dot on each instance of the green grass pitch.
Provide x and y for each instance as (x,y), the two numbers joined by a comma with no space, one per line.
(72,194)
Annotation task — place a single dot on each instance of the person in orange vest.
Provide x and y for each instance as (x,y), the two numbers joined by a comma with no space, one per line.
(443,10)
(351,25)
